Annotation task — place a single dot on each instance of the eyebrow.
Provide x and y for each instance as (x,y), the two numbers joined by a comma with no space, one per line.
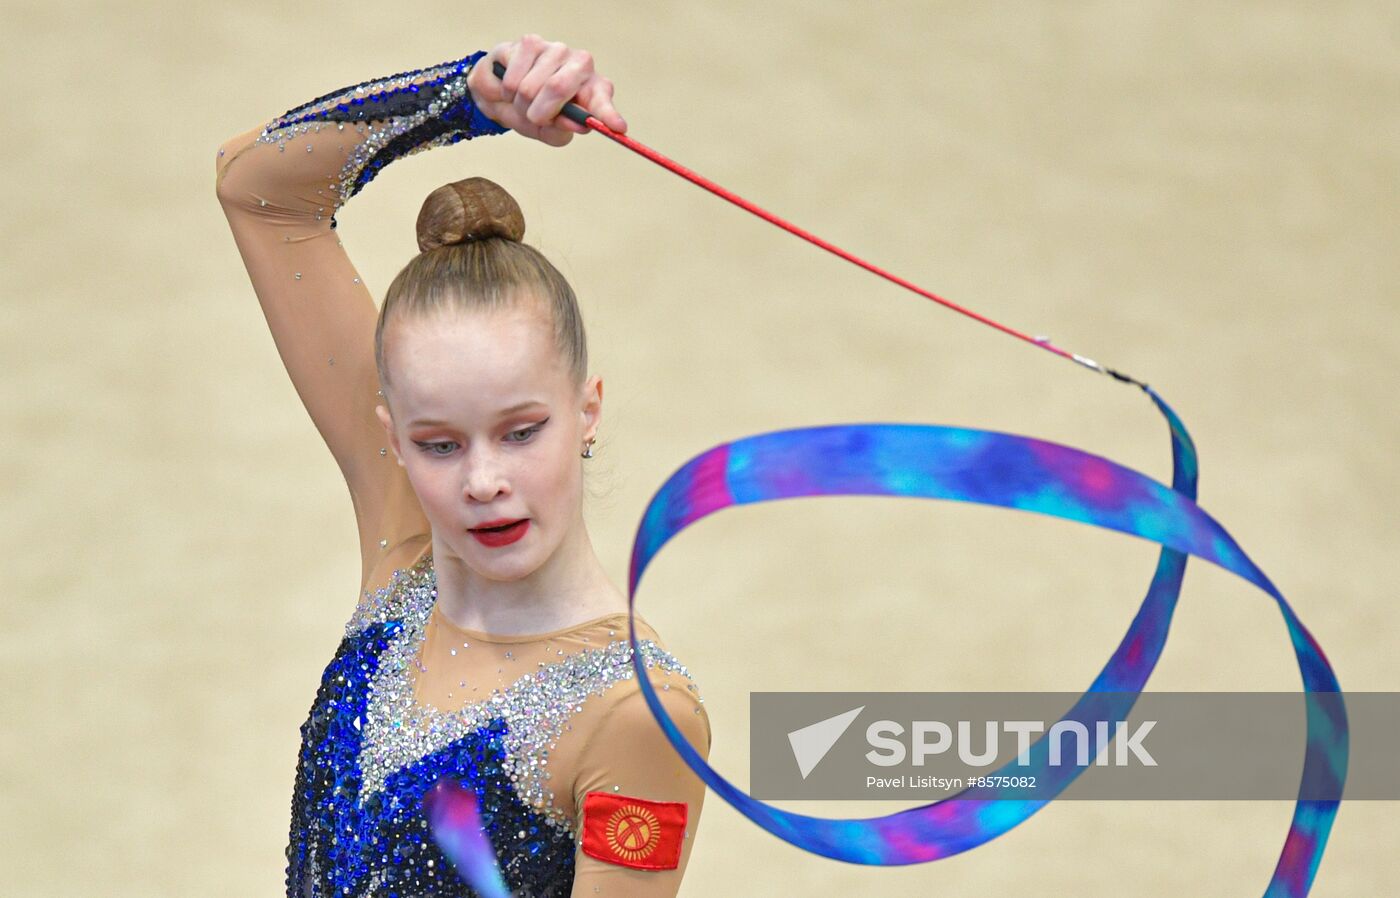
(519,406)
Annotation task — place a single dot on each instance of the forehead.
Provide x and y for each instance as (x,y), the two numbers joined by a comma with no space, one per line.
(468,364)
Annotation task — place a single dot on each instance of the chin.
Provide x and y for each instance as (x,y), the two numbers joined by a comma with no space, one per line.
(485,563)
(505,573)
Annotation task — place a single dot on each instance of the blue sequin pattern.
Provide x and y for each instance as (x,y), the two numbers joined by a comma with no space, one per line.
(370,752)
(400,114)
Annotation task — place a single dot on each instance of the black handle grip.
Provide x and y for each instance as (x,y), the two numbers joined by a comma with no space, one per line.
(571,111)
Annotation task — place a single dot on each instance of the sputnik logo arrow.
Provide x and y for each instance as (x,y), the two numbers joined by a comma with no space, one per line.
(811,743)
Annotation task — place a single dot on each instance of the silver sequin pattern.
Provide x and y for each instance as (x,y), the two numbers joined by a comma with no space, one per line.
(283,129)
(399,731)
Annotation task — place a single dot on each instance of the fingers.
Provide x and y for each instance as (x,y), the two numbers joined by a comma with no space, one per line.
(540,78)
(521,60)
(596,96)
(540,96)
(561,87)
(483,83)
(555,137)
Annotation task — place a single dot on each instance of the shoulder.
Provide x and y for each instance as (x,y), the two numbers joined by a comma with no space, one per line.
(625,749)
(628,714)
(622,712)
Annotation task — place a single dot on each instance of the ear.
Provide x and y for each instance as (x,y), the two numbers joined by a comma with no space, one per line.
(592,410)
(382,413)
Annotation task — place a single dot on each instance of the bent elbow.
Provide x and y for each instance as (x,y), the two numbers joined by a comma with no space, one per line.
(226,189)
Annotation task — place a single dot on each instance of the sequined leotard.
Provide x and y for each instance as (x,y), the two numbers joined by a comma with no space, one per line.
(550,728)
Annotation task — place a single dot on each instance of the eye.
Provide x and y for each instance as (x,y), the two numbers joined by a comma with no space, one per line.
(429,448)
(526,433)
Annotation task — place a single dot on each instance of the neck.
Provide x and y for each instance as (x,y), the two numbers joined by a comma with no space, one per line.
(569,588)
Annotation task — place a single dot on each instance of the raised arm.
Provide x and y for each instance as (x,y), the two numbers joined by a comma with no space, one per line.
(280,185)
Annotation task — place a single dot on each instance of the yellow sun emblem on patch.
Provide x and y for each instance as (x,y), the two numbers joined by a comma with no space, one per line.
(633,832)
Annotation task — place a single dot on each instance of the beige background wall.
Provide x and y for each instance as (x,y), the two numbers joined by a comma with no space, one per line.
(1203,197)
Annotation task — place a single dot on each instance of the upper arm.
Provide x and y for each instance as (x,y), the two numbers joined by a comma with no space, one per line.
(628,756)
(278,204)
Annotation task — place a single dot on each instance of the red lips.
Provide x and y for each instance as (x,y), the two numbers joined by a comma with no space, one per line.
(499,522)
(509,530)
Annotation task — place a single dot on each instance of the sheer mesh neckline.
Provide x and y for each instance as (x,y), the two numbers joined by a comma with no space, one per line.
(442,620)
(483,636)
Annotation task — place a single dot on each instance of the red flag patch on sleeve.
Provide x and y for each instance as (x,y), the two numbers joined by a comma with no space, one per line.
(633,832)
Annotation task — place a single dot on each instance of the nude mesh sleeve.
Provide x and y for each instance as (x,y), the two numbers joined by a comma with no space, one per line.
(279,185)
(626,749)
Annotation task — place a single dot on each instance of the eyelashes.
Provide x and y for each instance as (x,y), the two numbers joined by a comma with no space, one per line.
(528,431)
(431,448)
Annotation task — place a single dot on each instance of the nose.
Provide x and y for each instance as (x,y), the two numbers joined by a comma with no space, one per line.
(482,477)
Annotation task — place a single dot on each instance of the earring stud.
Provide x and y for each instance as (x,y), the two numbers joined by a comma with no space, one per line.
(587,450)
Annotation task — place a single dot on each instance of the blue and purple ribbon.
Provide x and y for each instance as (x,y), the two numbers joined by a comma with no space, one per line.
(991,468)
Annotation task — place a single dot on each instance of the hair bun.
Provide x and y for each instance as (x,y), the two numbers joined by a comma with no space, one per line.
(467,210)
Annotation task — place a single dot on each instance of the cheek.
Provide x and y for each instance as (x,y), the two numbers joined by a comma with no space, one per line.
(552,481)
(434,486)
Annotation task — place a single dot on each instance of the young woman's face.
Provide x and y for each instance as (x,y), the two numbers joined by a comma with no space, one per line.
(489,427)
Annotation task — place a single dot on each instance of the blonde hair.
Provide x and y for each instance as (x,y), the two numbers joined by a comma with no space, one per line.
(471,259)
